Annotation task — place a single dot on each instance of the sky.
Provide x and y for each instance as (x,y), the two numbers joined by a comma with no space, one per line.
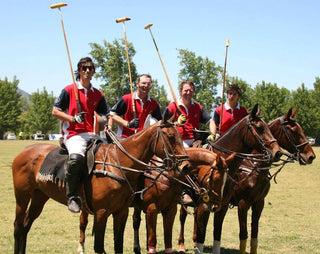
(272,40)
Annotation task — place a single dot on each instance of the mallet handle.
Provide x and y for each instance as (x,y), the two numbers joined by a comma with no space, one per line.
(164,69)
(58,5)
(223,84)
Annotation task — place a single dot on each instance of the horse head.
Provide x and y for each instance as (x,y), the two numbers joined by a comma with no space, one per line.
(168,145)
(250,133)
(260,136)
(291,137)
(215,180)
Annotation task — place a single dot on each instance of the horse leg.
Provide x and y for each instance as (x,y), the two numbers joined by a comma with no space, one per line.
(255,217)
(136,218)
(182,218)
(25,218)
(242,217)
(119,224)
(83,225)
(217,228)
(201,218)
(151,222)
(168,219)
(100,221)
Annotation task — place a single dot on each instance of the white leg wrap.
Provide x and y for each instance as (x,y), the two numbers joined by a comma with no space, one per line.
(198,249)
(216,247)
(81,248)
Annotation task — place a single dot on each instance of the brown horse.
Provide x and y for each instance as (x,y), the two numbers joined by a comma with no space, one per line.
(253,185)
(104,195)
(249,133)
(166,193)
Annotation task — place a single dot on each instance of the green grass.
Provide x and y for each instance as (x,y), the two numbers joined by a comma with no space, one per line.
(290,222)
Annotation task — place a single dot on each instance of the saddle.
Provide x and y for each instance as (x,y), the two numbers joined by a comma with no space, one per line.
(54,165)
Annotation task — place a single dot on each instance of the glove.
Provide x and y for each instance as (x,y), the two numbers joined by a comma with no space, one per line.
(182,119)
(211,137)
(134,123)
(79,118)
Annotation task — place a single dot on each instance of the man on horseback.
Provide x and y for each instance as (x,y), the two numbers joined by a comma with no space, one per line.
(75,107)
(231,112)
(122,112)
(194,115)
(193,111)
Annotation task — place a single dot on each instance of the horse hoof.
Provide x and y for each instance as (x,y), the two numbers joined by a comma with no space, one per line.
(181,250)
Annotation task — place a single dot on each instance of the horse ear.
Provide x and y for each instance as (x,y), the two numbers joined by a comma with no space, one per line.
(231,158)
(255,111)
(294,113)
(166,116)
(288,115)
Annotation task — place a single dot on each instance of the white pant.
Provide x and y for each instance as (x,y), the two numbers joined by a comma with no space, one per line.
(78,143)
(187,142)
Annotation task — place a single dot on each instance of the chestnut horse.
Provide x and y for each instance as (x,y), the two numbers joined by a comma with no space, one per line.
(166,193)
(253,186)
(104,195)
(249,133)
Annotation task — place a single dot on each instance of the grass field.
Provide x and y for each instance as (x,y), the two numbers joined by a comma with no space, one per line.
(290,222)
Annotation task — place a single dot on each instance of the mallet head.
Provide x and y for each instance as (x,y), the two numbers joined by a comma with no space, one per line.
(58,5)
(148,26)
(122,19)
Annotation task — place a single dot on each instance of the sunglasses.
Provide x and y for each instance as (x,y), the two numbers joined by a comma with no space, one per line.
(85,68)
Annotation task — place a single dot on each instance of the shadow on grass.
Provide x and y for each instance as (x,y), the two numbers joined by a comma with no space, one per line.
(207,249)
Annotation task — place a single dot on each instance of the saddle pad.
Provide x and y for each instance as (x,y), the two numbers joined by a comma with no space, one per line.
(53,167)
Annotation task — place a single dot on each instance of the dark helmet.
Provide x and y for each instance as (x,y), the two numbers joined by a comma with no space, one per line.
(235,87)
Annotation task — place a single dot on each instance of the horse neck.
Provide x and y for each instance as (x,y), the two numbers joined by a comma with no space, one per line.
(199,156)
(140,144)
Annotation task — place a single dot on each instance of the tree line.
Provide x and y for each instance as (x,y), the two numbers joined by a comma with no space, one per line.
(18,114)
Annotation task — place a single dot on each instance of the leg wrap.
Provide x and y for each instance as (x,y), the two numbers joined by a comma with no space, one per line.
(254,246)
(243,245)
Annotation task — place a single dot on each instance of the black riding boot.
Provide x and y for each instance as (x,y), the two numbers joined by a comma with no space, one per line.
(73,177)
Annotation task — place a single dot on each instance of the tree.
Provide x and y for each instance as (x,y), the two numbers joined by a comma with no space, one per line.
(203,73)
(39,116)
(112,68)
(159,93)
(10,106)
(308,114)
(273,101)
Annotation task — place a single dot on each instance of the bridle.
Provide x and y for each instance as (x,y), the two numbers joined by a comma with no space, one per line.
(284,131)
(171,160)
(266,156)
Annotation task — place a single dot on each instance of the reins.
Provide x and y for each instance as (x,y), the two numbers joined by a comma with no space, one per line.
(171,160)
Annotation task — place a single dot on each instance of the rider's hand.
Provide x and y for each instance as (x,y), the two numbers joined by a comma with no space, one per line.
(134,123)
(79,118)
(182,119)
(211,137)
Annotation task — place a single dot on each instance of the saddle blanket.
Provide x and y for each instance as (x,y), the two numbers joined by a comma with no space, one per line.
(53,168)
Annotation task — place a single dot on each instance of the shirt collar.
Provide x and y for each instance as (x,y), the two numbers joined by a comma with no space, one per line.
(80,86)
(227,107)
(136,97)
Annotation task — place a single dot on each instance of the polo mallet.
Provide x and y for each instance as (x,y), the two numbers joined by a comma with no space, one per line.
(59,5)
(224,81)
(124,19)
(155,44)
